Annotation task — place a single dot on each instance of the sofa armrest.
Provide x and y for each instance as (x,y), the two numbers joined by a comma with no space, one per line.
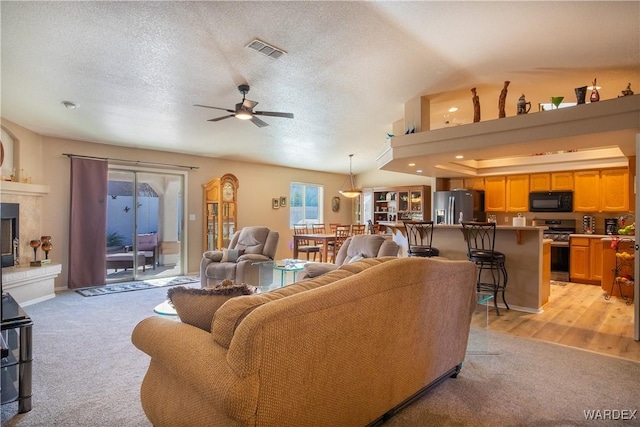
(253,258)
(190,354)
(215,256)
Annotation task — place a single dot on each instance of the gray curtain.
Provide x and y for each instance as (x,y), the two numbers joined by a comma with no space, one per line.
(88,223)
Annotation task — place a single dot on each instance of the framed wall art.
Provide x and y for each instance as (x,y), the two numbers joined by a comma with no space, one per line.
(335,204)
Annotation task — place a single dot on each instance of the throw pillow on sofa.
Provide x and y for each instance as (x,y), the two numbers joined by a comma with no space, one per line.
(197,306)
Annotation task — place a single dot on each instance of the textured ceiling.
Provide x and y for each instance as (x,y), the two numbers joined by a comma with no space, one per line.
(135,69)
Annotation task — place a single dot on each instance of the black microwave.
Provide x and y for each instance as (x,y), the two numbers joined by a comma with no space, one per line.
(551,201)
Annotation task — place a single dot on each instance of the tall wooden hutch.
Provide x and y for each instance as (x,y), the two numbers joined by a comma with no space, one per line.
(397,204)
(220,211)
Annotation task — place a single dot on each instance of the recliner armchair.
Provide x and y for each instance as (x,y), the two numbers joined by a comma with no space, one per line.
(238,262)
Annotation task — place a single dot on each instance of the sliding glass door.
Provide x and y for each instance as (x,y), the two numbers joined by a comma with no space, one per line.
(144,225)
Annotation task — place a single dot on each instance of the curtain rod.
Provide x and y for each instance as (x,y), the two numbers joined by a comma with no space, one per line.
(138,162)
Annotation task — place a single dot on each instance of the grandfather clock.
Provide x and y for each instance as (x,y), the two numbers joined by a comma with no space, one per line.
(220,211)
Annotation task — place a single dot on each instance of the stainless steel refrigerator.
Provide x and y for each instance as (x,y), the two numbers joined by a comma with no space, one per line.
(451,206)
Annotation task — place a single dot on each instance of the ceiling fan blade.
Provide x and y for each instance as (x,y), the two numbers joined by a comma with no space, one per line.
(248,104)
(256,121)
(274,114)
(217,119)
(215,108)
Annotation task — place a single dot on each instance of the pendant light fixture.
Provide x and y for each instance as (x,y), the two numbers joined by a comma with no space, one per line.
(352,192)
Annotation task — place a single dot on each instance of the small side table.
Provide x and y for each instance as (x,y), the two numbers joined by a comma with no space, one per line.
(17,354)
(483,299)
(283,266)
(284,269)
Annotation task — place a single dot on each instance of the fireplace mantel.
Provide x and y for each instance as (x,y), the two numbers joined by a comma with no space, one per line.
(30,285)
(23,189)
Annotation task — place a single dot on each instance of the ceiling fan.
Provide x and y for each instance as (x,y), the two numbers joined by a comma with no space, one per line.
(244,110)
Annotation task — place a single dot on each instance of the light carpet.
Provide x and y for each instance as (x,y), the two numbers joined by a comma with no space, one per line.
(136,285)
(87,373)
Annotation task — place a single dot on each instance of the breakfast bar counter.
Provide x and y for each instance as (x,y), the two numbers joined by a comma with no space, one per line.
(527,262)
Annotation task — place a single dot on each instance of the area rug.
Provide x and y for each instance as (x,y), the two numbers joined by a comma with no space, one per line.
(136,285)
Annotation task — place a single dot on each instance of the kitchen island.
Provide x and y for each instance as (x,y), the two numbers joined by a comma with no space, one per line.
(527,262)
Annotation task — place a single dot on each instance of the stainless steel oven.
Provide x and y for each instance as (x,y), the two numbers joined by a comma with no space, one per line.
(559,232)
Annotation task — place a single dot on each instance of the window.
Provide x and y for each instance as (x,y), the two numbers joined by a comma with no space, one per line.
(305,203)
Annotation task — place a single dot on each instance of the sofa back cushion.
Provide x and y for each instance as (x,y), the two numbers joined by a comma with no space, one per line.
(366,246)
(232,312)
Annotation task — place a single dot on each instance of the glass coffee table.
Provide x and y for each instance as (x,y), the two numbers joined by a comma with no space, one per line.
(283,266)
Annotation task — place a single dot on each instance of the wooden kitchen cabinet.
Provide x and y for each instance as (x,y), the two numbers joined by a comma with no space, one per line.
(494,194)
(562,181)
(614,190)
(456,184)
(586,194)
(601,191)
(596,246)
(540,182)
(474,184)
(517,198)
(585,265)
(579,259)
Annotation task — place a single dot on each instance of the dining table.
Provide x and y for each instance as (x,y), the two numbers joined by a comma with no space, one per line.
(324,238)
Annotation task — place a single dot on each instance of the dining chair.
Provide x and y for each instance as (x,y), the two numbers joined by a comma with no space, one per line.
(342,233)
(358,229)
(318,228)
(304,245)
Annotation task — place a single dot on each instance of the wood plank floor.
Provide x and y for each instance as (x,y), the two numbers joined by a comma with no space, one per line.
(577,315)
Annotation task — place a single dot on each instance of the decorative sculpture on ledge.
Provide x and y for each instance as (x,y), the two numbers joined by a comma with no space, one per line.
(503,100)
(476,105)
(523,106)
(595,96)
(627,91)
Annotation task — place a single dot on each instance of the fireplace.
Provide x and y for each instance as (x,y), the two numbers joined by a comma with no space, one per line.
(9,232)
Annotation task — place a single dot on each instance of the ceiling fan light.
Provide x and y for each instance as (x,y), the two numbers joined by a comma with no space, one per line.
(244,115)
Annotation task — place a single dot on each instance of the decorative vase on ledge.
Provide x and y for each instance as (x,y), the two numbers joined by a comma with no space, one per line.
(581,94)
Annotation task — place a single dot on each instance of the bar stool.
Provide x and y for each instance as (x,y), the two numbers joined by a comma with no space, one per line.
(419,238)
(481,238)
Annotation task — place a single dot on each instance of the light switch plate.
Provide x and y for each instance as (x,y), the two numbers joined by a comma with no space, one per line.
(192,217)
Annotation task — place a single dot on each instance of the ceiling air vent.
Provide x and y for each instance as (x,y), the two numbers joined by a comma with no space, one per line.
(266,49)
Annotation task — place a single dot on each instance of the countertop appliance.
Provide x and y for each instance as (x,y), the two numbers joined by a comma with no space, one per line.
(551,201)
(611,226)
(559,232)
(452,206)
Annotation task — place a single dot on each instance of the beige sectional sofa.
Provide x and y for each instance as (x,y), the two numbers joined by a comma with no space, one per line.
(343,349)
